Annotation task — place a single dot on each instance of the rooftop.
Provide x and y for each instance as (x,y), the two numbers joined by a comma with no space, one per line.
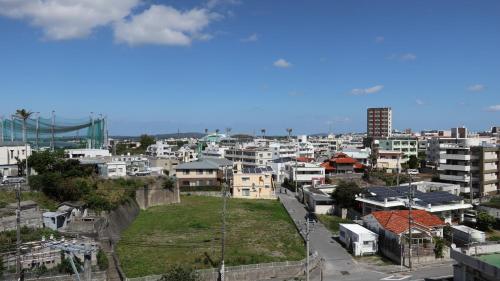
(493,259)
(397,221)
(354,227)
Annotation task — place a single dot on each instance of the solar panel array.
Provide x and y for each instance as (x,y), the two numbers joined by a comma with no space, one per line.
(421,198)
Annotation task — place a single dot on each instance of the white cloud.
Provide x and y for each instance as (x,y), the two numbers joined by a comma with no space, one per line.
(403,57)
(282,63)
(493,108)
(295,94)
(214,3)
(379,39)
(476,88)
(419,102)
(251,38)
(408,57)
(67,19)
(165,25)
(367,91)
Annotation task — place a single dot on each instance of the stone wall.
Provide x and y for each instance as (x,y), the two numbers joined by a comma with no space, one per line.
(275,270)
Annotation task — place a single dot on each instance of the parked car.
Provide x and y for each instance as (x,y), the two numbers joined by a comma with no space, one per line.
(11,180)
(412,171)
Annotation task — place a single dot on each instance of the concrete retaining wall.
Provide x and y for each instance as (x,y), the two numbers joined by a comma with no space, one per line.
(280,270)
(30,218)
(155,195)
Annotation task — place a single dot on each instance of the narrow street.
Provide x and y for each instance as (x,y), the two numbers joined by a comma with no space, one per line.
(339,264)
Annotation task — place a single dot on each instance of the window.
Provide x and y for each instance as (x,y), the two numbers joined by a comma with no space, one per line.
(342,234)
(367,243)
(210,172)
(245,192)
(199,172)
(245,178)
(185,172)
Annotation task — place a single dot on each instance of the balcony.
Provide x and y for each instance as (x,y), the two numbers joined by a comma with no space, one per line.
(443,167)
(463,157)
(462,178)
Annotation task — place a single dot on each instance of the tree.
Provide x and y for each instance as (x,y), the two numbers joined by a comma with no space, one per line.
(345,194)
(438,247)
(169,183)
(102,260)
(24,115)
(146,140)
(178,273)
(413,162)
(485,221)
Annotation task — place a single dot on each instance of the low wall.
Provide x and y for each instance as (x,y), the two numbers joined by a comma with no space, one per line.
(96,276)
(479,249)
(203,193)
(30,218)
(263,271)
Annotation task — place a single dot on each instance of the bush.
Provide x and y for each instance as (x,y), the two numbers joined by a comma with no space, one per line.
(485,221)
(345,194)
(102,260)
(438,247)
(178,273)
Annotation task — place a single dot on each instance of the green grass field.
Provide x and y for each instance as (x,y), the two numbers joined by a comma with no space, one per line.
(43,201)
(189,234)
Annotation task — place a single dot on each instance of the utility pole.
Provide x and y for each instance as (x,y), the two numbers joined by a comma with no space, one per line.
(1,128)
(92,141)
(223,240)
(399,170)
(52,144)
(18,231)
(410,202)
(307,248)
(12,128)
(37,131)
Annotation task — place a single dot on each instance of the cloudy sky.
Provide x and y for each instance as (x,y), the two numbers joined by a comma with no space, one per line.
(158,66)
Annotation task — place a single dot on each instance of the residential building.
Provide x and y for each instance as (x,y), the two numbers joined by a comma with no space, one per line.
(167,165)
(137,165)
(379,122)
(390,160)
(447,206)
(10,152)
(307,173)
(340,163)
(304,147)
(86,153)
(317,200)
(484,265)
(161,149)
(250,156)
(186,154)
(362,155)
(253,183)
(485,169)
(393,228)
(407,146)
(359,240)
(113,169)
(214,150)
(282,150)
(203,172)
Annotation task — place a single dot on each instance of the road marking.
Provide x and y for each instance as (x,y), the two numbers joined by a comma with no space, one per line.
(396,277)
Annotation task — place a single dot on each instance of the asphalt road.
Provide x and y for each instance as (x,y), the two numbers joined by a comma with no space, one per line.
(339,264)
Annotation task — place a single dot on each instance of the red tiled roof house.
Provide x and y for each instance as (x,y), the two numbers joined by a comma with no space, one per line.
(393,230)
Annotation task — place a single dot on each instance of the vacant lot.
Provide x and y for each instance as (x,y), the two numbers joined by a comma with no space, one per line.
(332,222)
(189,234)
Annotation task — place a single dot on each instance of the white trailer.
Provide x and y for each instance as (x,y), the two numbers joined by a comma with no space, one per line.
(466,235)
(359,240)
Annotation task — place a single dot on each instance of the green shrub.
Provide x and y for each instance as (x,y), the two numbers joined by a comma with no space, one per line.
(102,260)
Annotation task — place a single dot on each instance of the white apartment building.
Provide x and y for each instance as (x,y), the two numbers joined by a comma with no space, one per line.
(214,150)
(161,149)
(9,151)
(113,169)
(86,153)
(361,155)
(407,146)
(307,173)
(304,147)
(186,154)
(281,150)
(250,156)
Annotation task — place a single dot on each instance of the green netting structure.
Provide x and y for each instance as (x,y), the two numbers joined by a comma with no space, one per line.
(55,132)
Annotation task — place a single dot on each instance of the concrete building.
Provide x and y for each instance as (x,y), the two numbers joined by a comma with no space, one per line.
(484,266)
(253,183)
(9,153)
(359,240)
(485,170)
(113,169)
(390,160)
(307,173)
(207,172)
(408,147)
(168,165)
(161,149)
(362,155)
(304,147)
(250,156)
(86,153)
(443,204)
(283,150)
(137,165)
(379,122)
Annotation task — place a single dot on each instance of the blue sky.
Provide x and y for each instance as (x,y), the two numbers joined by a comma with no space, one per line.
(159,66)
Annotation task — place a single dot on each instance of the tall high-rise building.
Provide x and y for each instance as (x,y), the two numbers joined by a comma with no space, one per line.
(379,122)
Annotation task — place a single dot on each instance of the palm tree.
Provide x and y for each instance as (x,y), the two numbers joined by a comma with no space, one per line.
(206,131)
(289,131)
(24,114)
(217,131)
(228,130)
(263,131)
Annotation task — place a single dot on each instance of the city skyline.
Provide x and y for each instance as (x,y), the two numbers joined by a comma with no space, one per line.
(247,65)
